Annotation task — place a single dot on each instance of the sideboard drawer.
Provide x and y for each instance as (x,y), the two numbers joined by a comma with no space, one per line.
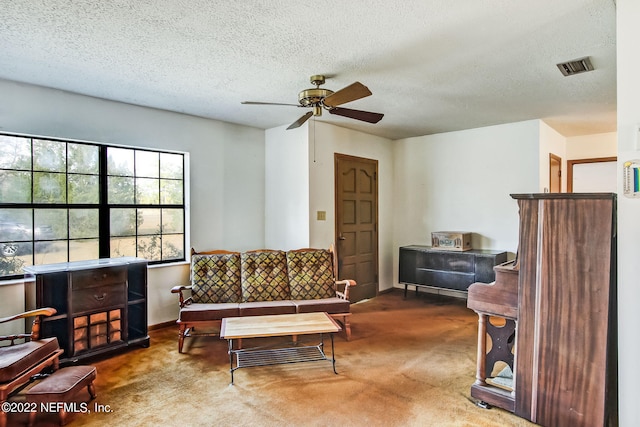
(98,277)
(100,297)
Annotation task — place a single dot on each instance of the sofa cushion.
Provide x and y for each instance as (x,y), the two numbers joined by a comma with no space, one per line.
(215,278)
(15,359)
(310,274)
(261,308)
(206,312)
(264,276)
(333,305)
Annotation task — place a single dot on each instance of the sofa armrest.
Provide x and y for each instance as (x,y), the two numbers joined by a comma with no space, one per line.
(35,329)
(344,294)
(179,289)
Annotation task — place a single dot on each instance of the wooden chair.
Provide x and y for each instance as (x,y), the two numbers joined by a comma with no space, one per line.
(21,362)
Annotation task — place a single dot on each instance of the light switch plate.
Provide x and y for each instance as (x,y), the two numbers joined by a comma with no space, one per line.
(322,215)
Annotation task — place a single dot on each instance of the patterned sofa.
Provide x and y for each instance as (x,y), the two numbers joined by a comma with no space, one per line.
(261,282)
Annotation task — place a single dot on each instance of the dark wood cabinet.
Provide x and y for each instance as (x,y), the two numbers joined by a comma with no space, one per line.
(101,304)
(425,266)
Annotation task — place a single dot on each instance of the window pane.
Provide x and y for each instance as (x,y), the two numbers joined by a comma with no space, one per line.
(80,250)
(123,246)
(147,164)
(84,189)
(119,161)
(15,225)
(50,224)
(49,156)
(171,192)
(148,221)
(121,190)
(49,187)
(149,247)
(83,158)
(15,187)
(172,246)
(172,221)
(15,153)
(147,191)
(50,252)
(85,223)
(171,165)
(123,222)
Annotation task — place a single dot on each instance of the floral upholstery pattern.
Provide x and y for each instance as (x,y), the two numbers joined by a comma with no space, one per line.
(264,276)
(310,274)
(215,278)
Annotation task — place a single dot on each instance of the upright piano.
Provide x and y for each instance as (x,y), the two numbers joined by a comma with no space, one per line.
(547,326)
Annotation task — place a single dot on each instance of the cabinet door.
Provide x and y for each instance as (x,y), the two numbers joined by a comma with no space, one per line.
(407,266)
(484,266)
(460,262)
(445,279)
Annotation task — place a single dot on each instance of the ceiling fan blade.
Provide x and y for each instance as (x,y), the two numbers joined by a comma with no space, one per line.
(268,103)
(350,93)
(300,121)
(365,116)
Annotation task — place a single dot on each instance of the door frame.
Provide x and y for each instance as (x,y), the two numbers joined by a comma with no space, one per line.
(558,159)
(336,158)
(570,164)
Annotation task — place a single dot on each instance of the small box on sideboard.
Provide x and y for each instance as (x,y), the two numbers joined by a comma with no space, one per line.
(451,240)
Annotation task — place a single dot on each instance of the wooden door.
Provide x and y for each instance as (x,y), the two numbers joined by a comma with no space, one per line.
(555,174)
(357,223)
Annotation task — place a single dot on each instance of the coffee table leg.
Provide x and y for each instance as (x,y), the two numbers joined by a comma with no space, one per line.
(333,355)
(231,359)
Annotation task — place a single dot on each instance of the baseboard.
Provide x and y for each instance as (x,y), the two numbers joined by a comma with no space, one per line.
(162,325)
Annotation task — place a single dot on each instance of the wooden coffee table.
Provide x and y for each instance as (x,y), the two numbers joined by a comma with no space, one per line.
(275,326)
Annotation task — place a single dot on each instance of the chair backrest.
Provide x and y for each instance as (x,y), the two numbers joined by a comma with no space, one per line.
(215,277)
(311,274)
(264,276)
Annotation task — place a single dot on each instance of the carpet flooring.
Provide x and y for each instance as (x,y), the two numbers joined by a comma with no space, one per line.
(410,362)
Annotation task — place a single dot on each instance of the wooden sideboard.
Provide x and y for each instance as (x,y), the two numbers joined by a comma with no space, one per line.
(101,304)
(560,310)
(452,270)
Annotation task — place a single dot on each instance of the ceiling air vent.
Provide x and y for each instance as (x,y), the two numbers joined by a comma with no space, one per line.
(576,66)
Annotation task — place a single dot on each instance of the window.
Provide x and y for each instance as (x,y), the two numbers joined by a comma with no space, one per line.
(69,201)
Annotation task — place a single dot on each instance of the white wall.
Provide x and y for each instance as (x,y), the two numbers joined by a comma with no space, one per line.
(461,181)
(226,167)
(628,62)
(592,146)
(551,142)
(286,184)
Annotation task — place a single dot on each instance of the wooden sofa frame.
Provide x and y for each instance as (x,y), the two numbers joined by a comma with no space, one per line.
(194,328)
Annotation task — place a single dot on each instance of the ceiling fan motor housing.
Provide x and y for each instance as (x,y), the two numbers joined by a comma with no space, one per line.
(313,98)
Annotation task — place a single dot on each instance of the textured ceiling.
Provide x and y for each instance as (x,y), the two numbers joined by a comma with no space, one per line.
(433,65)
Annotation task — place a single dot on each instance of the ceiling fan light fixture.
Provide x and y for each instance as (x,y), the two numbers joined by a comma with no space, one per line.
(576,66)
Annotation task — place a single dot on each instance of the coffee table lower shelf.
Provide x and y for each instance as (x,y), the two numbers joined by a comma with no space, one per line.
(253,357)
(278,356)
